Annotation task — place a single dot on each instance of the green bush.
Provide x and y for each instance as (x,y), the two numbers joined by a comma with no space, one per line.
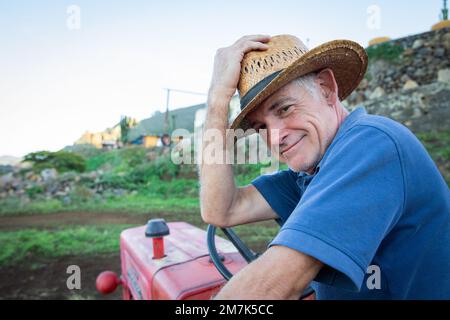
(81,194)
(116,181)
(120,160)
(98,161)
(384,51)
(34,191)
(162,168)
(62,161)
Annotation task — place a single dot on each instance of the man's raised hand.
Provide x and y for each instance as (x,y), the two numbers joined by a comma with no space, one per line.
(227,64)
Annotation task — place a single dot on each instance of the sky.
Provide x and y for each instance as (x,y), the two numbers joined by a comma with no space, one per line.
(71,66)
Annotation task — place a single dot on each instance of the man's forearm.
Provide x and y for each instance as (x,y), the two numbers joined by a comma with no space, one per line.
(280,273)
(217,186)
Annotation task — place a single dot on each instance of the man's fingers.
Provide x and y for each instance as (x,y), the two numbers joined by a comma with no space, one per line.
(253,45)
(256,37)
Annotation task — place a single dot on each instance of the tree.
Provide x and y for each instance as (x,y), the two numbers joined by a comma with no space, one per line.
(126,124)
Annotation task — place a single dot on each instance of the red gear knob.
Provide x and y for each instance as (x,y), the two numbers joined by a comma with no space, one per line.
(107,282)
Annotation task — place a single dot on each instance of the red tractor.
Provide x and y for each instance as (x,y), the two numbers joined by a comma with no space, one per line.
(176,261)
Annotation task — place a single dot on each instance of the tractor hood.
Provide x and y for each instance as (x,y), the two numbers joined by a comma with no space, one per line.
(184,272)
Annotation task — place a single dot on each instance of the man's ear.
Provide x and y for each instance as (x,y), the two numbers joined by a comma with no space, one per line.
(328,86)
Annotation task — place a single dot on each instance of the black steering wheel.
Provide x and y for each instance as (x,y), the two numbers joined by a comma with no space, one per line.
(245,251)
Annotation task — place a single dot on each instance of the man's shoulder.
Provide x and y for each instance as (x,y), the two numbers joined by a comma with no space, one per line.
(369,137)
(387,129)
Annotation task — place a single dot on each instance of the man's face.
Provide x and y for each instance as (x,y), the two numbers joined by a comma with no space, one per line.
(299,125)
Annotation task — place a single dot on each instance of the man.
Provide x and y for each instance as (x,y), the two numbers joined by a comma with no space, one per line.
(361,193)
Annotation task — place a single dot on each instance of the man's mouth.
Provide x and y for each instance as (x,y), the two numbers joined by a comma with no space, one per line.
(291,146)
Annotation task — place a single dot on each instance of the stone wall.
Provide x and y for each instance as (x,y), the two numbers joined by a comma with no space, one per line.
(421,109)
(413,88)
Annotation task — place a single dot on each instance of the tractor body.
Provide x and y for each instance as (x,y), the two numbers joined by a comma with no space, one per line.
(176,266)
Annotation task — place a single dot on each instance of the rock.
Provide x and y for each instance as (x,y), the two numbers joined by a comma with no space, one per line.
(363,84)
(446,40)
(66,200)
(31,176)
(417,44)
(120,192)
(405,78)
(377,93)
(60,194)
(49,174)
(410,84)
(416,113)
(425,51)
(419,73)
(4,169)
(6,180)
(410,70)
(439,52)
(408,52)
(444,75)
(390,72)
(52,188)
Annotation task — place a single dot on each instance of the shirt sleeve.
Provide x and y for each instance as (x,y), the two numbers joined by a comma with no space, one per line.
(280,190)
(349,207)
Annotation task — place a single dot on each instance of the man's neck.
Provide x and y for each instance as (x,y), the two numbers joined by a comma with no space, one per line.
(341,113)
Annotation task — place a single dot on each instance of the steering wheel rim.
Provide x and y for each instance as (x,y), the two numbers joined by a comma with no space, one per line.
(245,251)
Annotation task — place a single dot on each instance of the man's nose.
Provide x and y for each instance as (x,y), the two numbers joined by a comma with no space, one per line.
(277,136)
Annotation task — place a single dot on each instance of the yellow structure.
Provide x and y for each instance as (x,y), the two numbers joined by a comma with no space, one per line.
(441,25)
(97,138)
(150,141)
(379,40)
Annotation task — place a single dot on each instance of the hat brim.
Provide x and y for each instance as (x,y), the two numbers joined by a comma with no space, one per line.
(346,58)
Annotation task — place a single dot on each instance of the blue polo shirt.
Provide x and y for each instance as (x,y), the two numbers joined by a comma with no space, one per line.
(376,212)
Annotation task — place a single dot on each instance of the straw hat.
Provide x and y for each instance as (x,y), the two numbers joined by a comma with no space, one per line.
(264,72)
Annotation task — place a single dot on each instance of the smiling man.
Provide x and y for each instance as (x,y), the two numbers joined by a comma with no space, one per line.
(361,193)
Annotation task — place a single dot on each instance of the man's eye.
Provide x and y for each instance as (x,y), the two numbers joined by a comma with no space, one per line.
(284,109)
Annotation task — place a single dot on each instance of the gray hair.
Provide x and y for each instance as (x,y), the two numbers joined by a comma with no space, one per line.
(308,82)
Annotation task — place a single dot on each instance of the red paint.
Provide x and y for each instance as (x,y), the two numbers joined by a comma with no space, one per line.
(107,282)
(158,248)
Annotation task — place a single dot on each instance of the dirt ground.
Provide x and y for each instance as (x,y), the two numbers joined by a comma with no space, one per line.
(66,218)
(38,278)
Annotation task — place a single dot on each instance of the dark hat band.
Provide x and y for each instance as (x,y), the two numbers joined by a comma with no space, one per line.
(257,88)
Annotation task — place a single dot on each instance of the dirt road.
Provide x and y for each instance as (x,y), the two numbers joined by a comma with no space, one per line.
(68,218)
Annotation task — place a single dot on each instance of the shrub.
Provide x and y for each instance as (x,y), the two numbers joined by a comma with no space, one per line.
(120,160)
(34,191)
(162,167)
(116,181)
(81,194)
(62,161)
(384,51)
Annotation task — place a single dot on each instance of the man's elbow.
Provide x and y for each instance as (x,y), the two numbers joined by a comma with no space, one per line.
(214,219)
